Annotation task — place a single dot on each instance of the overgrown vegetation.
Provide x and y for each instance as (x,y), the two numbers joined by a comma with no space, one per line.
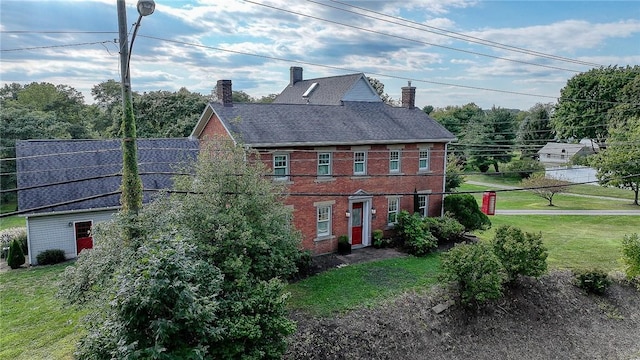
(226,226)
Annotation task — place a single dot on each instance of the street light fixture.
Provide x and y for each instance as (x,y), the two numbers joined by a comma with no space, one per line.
(131,198)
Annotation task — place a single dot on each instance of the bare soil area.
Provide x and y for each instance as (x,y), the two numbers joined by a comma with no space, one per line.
(547,318)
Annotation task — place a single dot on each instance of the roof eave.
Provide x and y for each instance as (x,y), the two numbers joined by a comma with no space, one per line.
(348,143)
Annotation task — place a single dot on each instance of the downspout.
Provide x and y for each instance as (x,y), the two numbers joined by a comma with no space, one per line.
(444,177)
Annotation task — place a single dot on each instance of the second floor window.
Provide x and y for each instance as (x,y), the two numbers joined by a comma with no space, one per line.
(359,163)
(423,161)
(281,166)
(394,161)
(324,164)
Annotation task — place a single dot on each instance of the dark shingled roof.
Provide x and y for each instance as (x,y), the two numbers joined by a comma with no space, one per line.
(273,125)
(54,163)
(330,90)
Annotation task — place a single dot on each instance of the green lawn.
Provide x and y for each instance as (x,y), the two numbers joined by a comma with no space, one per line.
(364,284)
(11,221)
(34,324)
(525,200)
(575,242)
(584,189)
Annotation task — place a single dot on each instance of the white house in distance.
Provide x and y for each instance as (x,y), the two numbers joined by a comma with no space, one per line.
(561,153)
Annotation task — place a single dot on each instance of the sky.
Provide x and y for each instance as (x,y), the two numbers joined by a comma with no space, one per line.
(510,54)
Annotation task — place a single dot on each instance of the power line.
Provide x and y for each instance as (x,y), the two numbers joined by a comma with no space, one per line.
(57,46)
(412,40)
(456,35)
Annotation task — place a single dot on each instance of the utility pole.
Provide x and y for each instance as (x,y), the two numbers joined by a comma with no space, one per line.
(131,198)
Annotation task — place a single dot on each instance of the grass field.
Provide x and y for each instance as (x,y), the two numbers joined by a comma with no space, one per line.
(575,242)
(11,221)
(34,324)
(525,200)
(364,284)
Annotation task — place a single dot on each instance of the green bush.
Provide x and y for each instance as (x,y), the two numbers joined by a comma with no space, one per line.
(50,257)
(15,257)
(592,281)
(631,255)
(476,271)
(523,168)
(417,239)
(344,247)
(520,253)
(445,229)
(465,209)
(303,265)
(164,305)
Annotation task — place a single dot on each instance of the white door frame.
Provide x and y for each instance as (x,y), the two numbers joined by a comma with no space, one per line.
(361,196)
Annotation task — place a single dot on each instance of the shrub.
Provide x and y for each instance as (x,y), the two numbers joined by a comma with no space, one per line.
(445,228)
(631,255)
(520,253)
(164,305)
(417,239)
(377,239)
(523,168)
(592,281)
(344,247)
(50,257)
(15,257)
(303,265)
(476,270)
(465,209)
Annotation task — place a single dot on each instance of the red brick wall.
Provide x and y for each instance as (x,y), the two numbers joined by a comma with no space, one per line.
(303,180)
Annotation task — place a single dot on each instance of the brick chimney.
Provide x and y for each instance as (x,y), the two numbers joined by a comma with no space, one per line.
(224,92)
(296,75)
(409,96)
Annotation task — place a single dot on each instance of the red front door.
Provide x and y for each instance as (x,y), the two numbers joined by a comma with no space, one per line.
(83,235)
(356,224)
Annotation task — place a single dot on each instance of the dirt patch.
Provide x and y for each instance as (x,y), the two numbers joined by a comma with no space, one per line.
(548,318)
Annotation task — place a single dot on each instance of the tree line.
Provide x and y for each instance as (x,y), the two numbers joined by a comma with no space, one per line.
(600,105)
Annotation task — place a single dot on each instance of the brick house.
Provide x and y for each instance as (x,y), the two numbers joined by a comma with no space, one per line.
(351,162)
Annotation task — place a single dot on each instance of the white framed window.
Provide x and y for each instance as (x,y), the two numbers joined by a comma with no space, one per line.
(281,166)
(393,210)
(324,164)
(423,160)
(423,205)
(359,163)
(323,220)
(394,161)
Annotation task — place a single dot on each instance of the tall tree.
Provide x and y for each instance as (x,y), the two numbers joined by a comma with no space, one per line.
(164,114)
(489,139)
(378,86)
(583,110)
(535,130)
(619,164)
